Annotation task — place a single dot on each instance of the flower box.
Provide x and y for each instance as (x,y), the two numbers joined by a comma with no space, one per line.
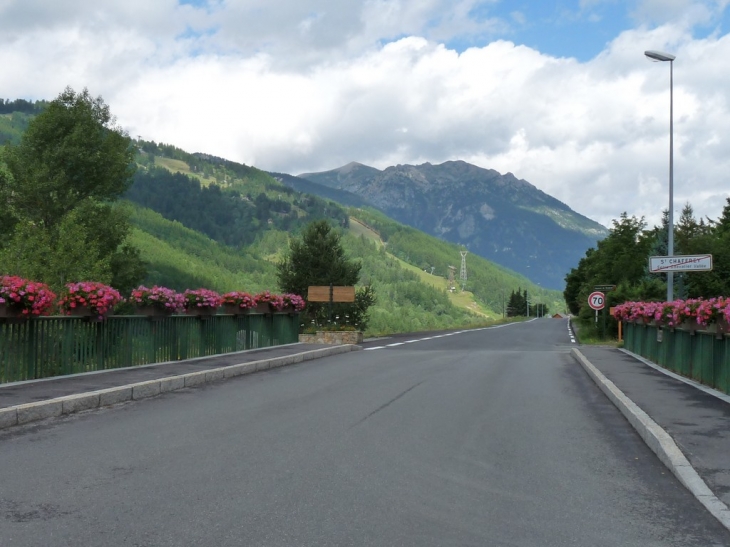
(286,309)
(23,298)
(157,301)
(719,329)
(89,299)
(234,309)
(6,312)
(10,315)
(262,308)
(202,312)
(691,326)
(201,303)
(88,314)
(153,313)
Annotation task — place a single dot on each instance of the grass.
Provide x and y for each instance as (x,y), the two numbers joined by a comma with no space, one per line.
(179,166)
(588,337)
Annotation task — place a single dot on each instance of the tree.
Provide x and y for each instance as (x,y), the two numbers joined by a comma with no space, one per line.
(317,258)
(517,303)
(71,152)
(58,185)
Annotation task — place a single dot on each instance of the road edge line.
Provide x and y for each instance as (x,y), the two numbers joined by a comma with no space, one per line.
(69,404)
(659,441)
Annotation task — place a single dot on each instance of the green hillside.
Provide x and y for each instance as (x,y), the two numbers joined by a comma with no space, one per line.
(181,258)
(250,215)
(203,221)
(489,283)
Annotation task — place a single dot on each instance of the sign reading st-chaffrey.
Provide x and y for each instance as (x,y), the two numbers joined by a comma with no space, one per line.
(680,263)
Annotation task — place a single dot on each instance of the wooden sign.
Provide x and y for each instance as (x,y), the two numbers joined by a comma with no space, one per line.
(318,294)
(337,294)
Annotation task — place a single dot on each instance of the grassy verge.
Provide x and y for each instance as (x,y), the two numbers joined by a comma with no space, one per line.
(588,336)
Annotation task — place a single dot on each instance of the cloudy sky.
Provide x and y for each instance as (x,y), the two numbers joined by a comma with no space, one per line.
(557,92)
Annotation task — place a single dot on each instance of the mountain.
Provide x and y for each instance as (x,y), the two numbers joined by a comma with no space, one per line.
(305,186)
(199,220)
(499,217)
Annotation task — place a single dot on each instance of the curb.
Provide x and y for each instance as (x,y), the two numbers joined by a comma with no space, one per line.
(660,442)
(52,408)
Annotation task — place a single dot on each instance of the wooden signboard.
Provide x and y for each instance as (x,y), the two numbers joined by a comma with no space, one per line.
(338,294)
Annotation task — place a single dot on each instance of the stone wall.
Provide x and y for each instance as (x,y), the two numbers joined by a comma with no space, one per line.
(332,337)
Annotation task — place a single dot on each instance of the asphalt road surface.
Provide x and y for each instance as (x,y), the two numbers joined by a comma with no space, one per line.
(483,438)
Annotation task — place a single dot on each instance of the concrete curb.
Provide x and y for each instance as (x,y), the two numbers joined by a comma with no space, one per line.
(659,441)
(33,412)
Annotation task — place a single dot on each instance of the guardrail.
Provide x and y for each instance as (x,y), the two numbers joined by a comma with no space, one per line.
(702,356)
(54,346)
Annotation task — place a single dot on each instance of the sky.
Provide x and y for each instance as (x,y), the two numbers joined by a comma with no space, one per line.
(558,93)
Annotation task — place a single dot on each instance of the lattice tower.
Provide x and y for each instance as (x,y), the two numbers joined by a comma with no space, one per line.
(462,274)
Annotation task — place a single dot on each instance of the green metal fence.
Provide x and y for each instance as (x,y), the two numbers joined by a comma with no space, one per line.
(53,346)
(702,356)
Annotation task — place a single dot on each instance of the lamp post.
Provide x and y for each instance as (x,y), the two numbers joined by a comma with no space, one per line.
(659,56)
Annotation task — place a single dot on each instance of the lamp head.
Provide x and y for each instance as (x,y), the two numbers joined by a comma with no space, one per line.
(659,55)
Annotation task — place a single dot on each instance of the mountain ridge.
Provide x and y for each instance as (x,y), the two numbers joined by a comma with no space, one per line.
(499,217)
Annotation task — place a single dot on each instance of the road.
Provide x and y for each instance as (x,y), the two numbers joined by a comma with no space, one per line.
(484,438)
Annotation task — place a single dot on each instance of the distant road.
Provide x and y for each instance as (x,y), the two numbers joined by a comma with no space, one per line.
(486,438)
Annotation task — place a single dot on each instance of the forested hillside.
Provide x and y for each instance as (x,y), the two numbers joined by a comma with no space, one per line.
(490,283)
(233,214)
(202,221)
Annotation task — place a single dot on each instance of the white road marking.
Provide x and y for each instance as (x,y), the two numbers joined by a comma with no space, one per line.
(440,336)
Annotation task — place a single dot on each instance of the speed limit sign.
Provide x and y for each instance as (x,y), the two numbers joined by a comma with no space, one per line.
(597,300)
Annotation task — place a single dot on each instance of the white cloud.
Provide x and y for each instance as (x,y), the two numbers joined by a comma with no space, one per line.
(299,87)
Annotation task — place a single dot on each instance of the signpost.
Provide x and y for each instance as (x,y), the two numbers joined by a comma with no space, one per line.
(597,301)
(680,263)
(604,288)
(330,294)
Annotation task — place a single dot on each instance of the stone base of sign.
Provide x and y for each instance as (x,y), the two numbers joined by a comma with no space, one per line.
(332,337)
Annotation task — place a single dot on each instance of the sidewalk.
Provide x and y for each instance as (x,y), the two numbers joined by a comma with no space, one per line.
(697,421)
(23,402)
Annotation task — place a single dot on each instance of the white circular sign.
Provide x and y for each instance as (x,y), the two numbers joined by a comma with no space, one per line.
(597,300)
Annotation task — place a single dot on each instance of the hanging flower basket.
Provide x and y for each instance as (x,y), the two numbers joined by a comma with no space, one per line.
(21,298)
(202,303)
(262,308)
(691,326)
(203,312)
(89,299)
(88,314)
(10,315)
(157,302)
(237,303)
(286,309)
(264,302)
(722,327)
(153,313)
(288,303)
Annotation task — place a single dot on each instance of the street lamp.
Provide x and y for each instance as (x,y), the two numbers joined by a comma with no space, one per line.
(659,56)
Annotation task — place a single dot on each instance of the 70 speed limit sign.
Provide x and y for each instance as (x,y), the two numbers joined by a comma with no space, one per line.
(597,300)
